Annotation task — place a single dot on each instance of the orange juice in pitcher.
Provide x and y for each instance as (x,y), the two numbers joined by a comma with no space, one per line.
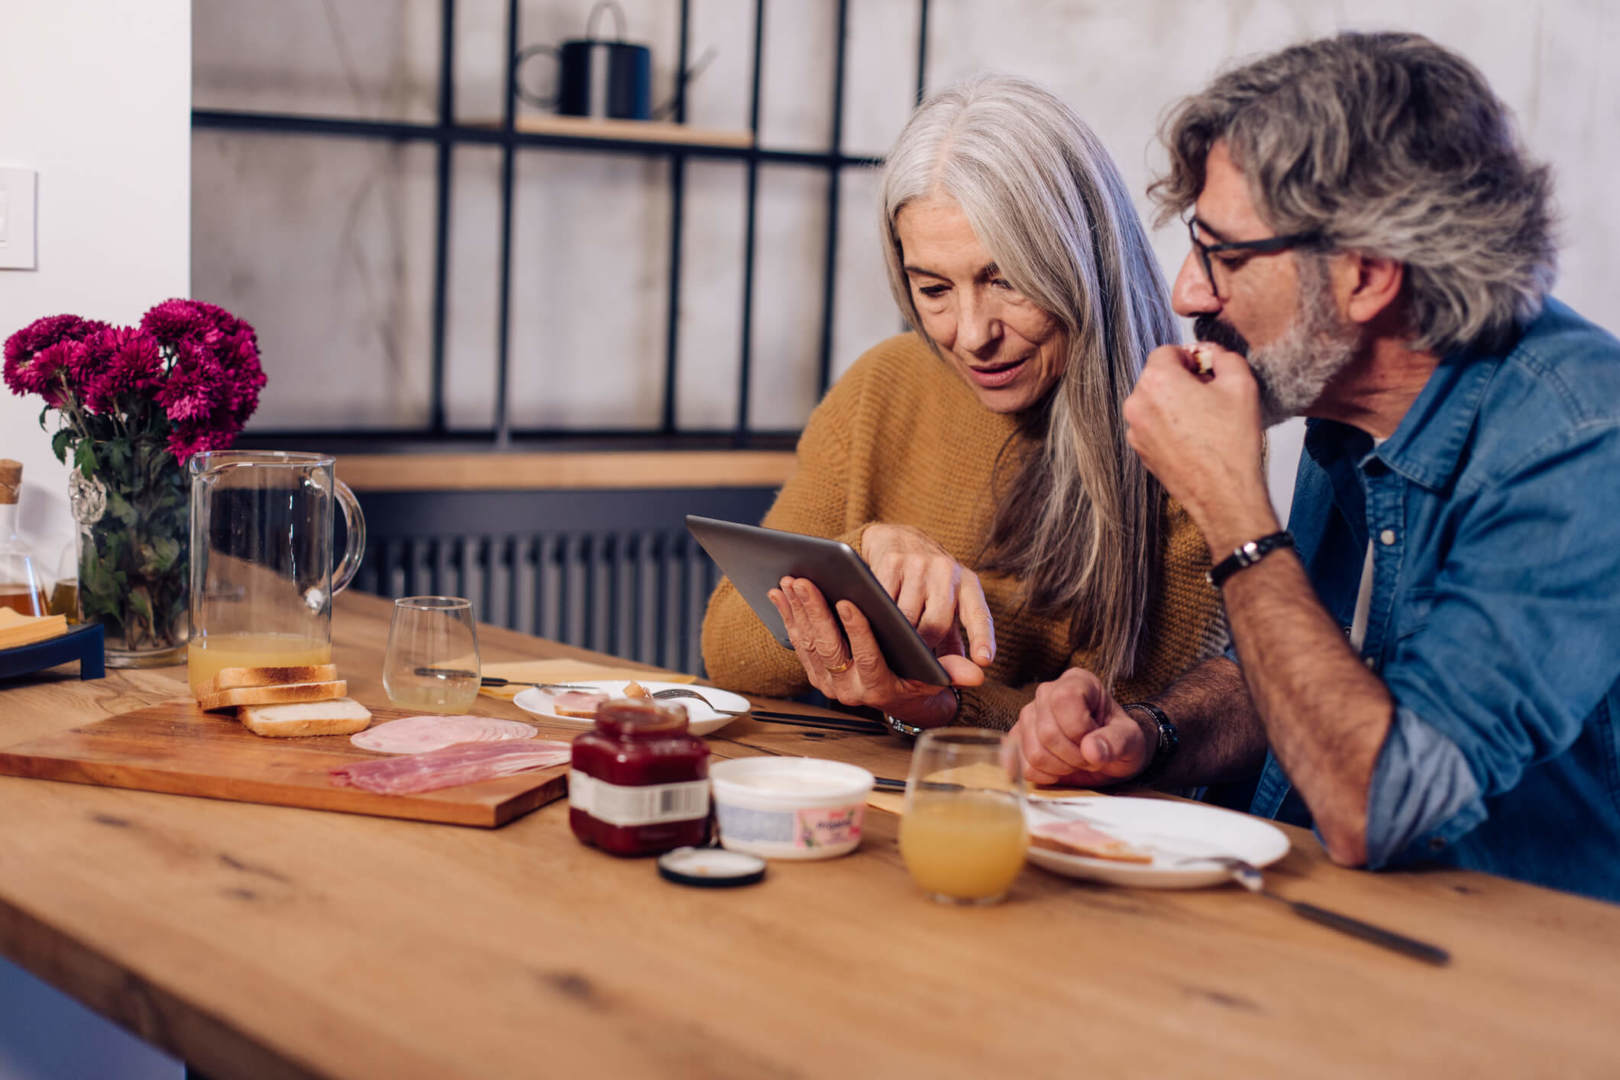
(262,575)
(207,656)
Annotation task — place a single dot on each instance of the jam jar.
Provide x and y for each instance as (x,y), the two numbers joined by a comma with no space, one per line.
(639,782)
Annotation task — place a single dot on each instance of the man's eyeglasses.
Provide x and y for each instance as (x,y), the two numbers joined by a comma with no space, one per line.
(1270,245)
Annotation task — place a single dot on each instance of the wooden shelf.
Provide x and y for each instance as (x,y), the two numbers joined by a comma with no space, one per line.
(650,131)
(553,471)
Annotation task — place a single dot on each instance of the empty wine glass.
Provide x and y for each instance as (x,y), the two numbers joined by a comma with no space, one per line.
(432,658)
(963,837)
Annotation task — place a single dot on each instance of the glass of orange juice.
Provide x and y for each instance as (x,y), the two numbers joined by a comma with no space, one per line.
(962,836)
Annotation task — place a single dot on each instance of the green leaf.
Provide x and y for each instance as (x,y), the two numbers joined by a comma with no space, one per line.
(160,555)
(120,508)
(61,442)
(84,456)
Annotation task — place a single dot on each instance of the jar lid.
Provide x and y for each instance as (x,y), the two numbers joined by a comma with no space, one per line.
(713,868)
(641,716)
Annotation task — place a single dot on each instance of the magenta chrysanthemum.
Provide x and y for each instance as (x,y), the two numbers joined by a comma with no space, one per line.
(23,372)
(121,361)
(193,362)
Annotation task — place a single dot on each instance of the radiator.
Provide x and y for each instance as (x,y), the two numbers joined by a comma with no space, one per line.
(622,576)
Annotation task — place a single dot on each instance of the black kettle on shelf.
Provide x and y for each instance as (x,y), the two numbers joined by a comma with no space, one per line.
(599,77)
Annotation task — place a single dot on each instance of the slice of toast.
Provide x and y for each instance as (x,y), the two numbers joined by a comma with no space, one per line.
(340,716)
(1081,838)
(284,694)
(232,678)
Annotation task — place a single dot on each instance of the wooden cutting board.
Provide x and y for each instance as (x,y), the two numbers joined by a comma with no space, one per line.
(177,748)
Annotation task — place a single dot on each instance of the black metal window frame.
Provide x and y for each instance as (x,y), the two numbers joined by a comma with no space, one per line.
(447,135)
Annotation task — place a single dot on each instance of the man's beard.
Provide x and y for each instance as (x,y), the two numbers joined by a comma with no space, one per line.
(1293,371)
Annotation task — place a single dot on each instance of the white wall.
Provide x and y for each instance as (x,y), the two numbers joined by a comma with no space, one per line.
(95,96)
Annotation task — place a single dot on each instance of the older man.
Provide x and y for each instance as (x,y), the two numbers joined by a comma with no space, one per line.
(1427,664)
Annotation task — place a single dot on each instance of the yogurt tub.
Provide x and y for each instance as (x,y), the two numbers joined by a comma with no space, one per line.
(790,808)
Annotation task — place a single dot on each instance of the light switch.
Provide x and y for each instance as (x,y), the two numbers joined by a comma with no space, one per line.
(18,195)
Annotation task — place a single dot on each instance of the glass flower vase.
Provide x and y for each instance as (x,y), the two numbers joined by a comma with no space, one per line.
(134,534)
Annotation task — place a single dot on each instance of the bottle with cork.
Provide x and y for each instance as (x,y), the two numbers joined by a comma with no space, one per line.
(19,571)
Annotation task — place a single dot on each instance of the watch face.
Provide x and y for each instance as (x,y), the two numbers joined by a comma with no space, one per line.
(900,727)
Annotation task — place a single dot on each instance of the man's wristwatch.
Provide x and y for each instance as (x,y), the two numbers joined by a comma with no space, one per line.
(911,731)
(1165,748)
(1248,555)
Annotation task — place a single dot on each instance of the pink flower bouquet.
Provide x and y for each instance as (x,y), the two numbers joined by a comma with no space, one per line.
(133,405)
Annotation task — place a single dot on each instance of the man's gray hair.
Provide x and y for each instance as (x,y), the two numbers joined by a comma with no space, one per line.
(1389,145)
(1081,525)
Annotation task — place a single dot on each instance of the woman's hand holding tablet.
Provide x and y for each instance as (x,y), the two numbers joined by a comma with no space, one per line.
(854,626)
(935,593)
(857,674)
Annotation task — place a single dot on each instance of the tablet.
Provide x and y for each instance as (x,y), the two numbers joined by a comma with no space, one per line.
(757,559)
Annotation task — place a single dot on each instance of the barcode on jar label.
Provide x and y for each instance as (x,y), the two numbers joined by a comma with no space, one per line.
(652,804)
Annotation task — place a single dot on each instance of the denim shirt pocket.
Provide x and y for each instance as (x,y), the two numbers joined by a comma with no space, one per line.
(1411,614)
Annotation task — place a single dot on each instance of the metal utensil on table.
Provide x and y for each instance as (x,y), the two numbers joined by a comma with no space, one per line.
(825,723)
(1249,876)
(683,692)
(496,680)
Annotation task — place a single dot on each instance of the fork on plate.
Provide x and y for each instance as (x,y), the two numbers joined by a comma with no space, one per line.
(683,692)
(1251,878)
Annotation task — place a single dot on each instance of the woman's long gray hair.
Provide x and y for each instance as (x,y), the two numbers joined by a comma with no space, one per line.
(1390,145)
(1081,524)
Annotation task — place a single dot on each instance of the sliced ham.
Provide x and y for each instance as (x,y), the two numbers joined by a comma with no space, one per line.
(419,734)
(463,763)
(1079,838)
(576,703)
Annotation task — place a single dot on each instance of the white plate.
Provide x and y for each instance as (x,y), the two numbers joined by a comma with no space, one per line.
(1174,831)
(703,720)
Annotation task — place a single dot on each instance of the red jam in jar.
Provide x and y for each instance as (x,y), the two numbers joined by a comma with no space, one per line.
(639,783)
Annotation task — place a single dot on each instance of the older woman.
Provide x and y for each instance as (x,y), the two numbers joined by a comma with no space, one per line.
(979,464)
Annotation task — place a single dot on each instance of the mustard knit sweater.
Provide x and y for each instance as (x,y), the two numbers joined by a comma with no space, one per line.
(901,439)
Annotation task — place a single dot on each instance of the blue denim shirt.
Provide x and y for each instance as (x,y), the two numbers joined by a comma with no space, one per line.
(1494,511)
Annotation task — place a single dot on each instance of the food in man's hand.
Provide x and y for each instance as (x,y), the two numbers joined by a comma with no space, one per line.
(340,716)
(577,703)
(464,763)
(1202,357)
(284,694)
(420,734)
(232,678)
(1081,838)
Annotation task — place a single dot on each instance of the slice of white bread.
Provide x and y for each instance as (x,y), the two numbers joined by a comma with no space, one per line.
(285,694)
(233,677)
(340,716)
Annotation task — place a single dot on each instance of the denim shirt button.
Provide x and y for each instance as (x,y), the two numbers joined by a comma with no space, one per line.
(1387,537)
(1436,843)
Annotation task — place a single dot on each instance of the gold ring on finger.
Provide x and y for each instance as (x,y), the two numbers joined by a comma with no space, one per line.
(839,668)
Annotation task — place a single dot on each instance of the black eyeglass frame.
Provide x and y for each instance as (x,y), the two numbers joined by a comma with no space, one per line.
(1268,246)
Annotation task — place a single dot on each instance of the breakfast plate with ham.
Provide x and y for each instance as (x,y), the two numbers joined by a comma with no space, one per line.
(1148,843)
(578,707)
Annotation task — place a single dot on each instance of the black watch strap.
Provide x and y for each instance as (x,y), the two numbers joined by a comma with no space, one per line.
(1165,748)
(1248,555)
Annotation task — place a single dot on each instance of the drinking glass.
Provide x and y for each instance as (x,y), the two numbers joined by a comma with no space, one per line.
(432,658)
(963,836)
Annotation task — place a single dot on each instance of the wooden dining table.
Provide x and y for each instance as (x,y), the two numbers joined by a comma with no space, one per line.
(265,941)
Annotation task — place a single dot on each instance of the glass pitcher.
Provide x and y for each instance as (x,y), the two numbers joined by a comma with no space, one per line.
(262,580)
